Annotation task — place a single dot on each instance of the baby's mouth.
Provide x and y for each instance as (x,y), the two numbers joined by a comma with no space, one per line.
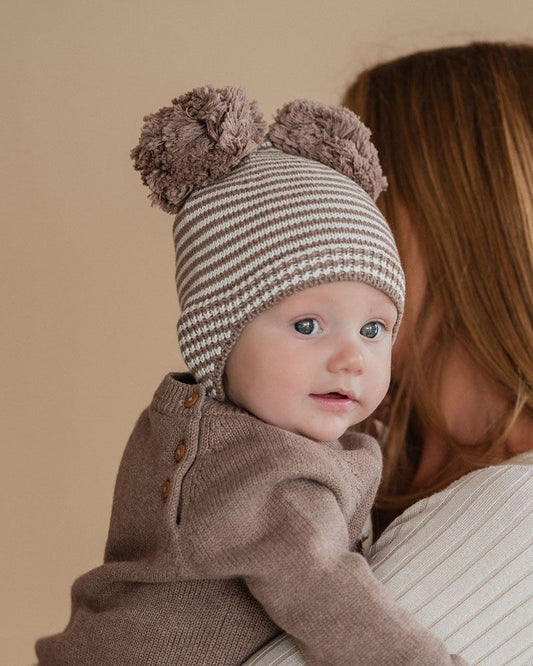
(334,399)
(334,395)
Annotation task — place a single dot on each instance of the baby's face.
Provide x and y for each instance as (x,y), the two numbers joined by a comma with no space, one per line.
(317,362)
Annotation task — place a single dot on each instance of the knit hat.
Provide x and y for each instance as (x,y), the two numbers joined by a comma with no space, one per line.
(262,214)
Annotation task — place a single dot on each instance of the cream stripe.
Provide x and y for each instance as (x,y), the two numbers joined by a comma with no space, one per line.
(203,201)
(261,212)
(200,217)
(249,231)
(275,160)
(190,331)
(295,212)
(234,211)
(221,272)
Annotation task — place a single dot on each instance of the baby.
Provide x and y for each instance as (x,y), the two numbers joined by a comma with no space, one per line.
(236,511)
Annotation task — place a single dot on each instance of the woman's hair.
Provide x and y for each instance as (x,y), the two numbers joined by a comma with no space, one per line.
(454,131)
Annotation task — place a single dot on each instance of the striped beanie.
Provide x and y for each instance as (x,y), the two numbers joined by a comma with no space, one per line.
(262,213)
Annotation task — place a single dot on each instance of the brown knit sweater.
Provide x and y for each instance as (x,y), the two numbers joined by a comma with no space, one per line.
(224,529)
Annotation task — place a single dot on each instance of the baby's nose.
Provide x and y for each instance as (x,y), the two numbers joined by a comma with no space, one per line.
(347,358)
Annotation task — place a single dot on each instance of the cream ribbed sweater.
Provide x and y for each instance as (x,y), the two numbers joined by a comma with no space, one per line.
(214,509)
(462,562)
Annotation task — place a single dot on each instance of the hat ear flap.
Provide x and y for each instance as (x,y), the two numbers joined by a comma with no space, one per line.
(196,141)
(332,135)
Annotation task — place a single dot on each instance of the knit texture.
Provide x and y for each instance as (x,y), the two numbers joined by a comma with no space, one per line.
(260,220)
(209,503)
(217,541)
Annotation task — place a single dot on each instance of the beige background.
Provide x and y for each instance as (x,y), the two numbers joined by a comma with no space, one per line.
(88,300)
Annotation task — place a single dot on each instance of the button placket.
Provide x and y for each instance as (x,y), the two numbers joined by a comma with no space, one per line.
(181,448)
(166,490)
(191,400)
(180,451)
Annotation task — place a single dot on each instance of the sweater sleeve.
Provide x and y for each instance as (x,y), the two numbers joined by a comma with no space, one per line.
(278,516)
(460,563)
(327,598)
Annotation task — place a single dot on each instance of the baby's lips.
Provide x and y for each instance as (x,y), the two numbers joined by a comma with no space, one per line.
(336,395)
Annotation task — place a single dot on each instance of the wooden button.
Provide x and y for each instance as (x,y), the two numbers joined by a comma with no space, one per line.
(191,400)
(180,451)
(166,490)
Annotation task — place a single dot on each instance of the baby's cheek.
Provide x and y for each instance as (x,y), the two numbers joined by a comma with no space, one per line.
(383,387)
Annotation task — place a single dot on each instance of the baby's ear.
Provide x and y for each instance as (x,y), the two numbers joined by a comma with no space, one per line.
(199,139)
(332,135)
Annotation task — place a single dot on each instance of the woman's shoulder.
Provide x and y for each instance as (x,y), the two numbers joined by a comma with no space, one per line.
(495,495)
(460,560)
(492,493)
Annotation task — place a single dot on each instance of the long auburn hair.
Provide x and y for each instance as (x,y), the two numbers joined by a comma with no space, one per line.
(454,131)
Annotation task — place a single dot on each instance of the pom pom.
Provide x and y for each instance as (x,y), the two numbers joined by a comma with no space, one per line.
(332,135)
(196,141)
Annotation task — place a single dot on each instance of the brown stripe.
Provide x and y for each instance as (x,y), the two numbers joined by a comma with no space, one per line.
(202,253)
(227,223)
(270,180)
(205,200)
(286,213)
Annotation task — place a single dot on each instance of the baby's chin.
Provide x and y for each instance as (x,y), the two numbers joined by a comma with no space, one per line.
(321,434)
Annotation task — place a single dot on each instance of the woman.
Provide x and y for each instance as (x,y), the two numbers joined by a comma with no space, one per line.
(454,131)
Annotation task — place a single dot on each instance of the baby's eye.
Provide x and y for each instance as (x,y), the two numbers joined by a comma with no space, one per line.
(372,330)
(307,326)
